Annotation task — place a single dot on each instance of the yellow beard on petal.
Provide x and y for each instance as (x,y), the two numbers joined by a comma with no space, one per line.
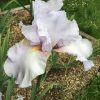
(34,48)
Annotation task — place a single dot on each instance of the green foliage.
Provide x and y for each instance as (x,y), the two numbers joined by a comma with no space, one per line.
(87,14)
(91,92)
(5,22)
(3,53)
(36,87)
(53,59)
(10,88)
(43,93)
(38,93)
(9,4)
(96,51)
(56,65)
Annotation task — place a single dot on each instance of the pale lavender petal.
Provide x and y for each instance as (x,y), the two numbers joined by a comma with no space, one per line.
(82,49)
(25,64)
(30,33)
(44,36)
(88,65)
(40,7)
(15,51)
(55,4)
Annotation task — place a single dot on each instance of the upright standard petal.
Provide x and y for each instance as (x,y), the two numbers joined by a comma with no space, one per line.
(82,49)
(44,36)
(25,63)
(30,33)
(55,4)
(53,24)
(40,7)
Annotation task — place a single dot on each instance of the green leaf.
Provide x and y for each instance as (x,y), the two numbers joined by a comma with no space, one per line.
(10,88)
(3,52)
(8,4)
(96,51)
(5,21)
(20,4)
(50,86)
(31,10)
(54,58)
(0,52)
(36,88)
(5,46)
(72,17)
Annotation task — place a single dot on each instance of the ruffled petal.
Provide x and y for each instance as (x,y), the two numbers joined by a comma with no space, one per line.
(53,24)
(88,65)
(44,36)
(30,32)
(59,27)
(42,7)
(28,63)
(82,49)
(39,7)
(55,4)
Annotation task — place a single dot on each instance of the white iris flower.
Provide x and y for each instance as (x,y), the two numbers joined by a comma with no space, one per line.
(50,28)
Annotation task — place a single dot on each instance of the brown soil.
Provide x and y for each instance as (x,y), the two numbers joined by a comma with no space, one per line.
(71,79)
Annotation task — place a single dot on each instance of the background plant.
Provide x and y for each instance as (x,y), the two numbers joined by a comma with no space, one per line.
(91,91)
(5,82)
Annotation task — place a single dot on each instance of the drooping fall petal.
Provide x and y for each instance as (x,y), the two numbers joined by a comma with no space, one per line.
(25,63)
(82,49)
(88,64)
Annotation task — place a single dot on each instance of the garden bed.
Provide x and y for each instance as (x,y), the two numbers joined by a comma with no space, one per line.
(68,81)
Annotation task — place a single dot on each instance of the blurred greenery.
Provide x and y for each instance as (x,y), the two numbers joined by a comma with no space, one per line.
(12,3)
(91,92)
(86,12)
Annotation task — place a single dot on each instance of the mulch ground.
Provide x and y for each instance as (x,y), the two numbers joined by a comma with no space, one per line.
(72,79)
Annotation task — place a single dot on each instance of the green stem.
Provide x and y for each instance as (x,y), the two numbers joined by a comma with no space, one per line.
(36,87)
(31,9)
(20,4)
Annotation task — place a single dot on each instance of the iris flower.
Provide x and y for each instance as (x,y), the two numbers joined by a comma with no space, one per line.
(50,30)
